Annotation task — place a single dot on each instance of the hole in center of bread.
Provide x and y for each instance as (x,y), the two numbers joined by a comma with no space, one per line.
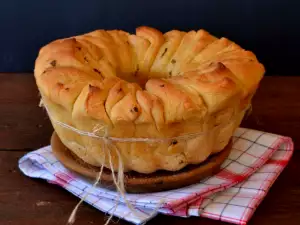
(141,78)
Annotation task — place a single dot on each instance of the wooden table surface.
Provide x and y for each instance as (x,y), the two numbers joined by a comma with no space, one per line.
(25,127)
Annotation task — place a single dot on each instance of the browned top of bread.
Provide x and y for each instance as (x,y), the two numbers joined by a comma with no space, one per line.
(146,78)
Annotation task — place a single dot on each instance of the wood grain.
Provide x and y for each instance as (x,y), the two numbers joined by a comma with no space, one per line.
(24,126)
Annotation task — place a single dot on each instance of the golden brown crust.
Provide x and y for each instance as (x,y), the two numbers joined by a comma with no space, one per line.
(150,85)
(178,106)
(215,86)
(155,39)
(164,56)
(191,44)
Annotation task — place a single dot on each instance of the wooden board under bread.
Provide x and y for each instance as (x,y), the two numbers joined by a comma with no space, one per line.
(141,183)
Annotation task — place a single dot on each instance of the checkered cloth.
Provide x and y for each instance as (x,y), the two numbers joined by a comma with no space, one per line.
(232,195)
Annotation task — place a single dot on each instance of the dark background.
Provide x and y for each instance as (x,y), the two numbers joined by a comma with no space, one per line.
(270,28)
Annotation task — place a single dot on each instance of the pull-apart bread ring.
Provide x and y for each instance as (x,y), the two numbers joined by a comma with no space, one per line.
(148,85)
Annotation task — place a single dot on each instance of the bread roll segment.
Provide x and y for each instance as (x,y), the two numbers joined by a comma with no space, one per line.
(147,85)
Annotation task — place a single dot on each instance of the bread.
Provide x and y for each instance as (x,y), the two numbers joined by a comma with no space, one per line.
(147,85)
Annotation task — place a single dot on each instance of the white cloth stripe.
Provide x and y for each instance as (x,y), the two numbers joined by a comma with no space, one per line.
(232,195)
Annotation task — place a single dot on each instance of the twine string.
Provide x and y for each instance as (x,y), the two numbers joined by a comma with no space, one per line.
(108,146)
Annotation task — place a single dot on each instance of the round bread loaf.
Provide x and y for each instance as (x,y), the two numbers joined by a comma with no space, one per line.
(147,85)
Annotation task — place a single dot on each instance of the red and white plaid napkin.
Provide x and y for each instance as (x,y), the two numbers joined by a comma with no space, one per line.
(256,160)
